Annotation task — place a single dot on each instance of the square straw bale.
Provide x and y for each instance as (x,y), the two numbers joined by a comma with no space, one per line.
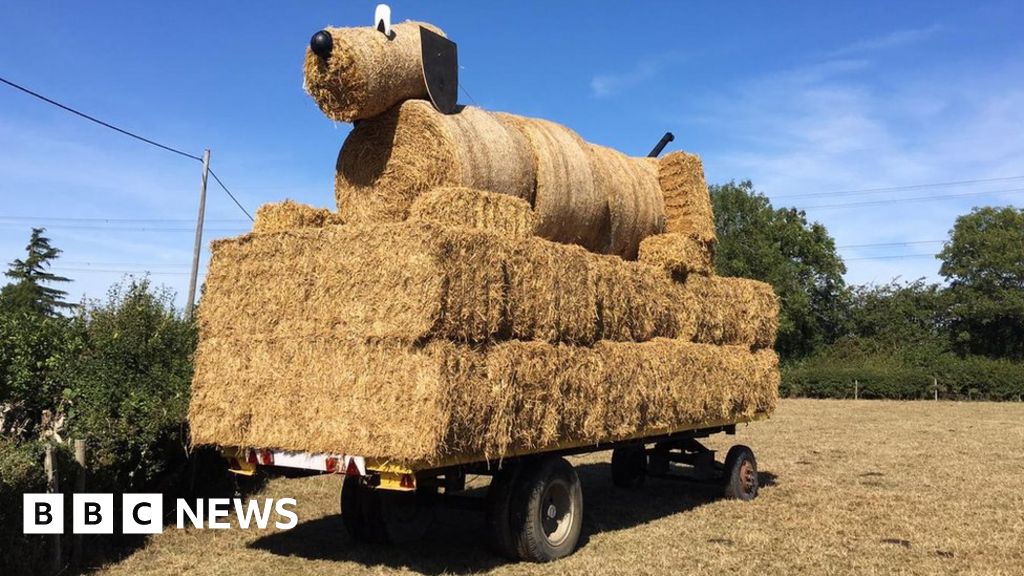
(735,311)
(679,254)
(397,281)
(455,206)
(551,292)
(275,216)
(687,202)
(425,405)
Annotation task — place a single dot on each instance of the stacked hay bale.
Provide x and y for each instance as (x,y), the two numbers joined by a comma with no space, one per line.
(290,214)
(423,341)
(482,298)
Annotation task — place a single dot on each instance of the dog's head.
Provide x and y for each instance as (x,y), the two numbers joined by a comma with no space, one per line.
(356,73)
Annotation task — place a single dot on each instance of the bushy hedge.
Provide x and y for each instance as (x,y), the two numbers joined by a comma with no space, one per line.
(20,472)
(35,351)
(129,392)
(116,374)
(899,377)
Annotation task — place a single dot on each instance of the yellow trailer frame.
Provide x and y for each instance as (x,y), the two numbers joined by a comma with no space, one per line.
(386,501)
(388,475)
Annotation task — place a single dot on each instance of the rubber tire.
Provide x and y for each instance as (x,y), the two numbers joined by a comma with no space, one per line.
(527,527)
(374,531)
(380,516)
(354,508)
(405,516)
(658,463)
(732,481)
(629,466)
(499,500)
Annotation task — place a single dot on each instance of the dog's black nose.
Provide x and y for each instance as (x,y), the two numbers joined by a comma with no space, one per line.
(321,44)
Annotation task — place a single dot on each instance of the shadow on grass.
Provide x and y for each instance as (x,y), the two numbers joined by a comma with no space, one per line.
(456,543)
(202,475)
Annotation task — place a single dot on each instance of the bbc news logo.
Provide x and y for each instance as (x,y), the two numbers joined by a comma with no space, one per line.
(143,513)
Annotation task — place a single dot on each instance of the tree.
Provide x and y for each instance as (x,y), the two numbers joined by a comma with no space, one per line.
(131,382)
(36,353)
(28,291)
(797,258)
(898,316)
(983,261)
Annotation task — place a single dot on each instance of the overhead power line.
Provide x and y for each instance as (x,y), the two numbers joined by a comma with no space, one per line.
(237,203)
(98,121)
(914,199)
(10,226)
(890,257)
(126,133)
(468,95)
(898,188)
(881,244)
(145,265)
(111,220)
(63,270)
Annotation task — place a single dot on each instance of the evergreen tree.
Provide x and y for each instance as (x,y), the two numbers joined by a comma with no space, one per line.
(29,291)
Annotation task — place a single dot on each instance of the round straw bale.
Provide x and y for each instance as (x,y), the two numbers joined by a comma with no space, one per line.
(568,207)
(276,216)
(687,203)
(389,160)
(635,206)
(455,206)
(367,72)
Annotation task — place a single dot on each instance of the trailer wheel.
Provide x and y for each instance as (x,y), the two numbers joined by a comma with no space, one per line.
(358,511)
(740,480)
(499,500)
(381,516)
(629,466)
(547,510)
(406,516)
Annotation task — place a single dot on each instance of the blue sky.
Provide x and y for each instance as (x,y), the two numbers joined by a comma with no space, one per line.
(803,98)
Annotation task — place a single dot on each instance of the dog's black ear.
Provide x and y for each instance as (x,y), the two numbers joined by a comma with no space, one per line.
(440,70)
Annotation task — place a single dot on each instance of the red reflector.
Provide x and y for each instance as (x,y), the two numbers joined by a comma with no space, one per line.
(352,469)
(250,457)
(408,481)
(266,457)
(331,465)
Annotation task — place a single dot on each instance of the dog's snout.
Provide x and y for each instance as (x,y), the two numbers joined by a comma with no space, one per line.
(321,44)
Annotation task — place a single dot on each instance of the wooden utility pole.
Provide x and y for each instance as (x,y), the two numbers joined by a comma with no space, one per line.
(53,487)
(198,246)
(76,540)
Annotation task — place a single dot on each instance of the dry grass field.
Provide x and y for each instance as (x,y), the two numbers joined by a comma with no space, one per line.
(848,487)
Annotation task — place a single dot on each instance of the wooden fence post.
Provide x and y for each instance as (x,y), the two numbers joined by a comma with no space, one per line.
(53,487)
(76,539)
(856,385)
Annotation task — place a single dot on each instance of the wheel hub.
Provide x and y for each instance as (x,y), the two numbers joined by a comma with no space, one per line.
(558,512)
(748,476)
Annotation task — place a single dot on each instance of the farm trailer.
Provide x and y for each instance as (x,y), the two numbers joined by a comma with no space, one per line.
(534,503)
